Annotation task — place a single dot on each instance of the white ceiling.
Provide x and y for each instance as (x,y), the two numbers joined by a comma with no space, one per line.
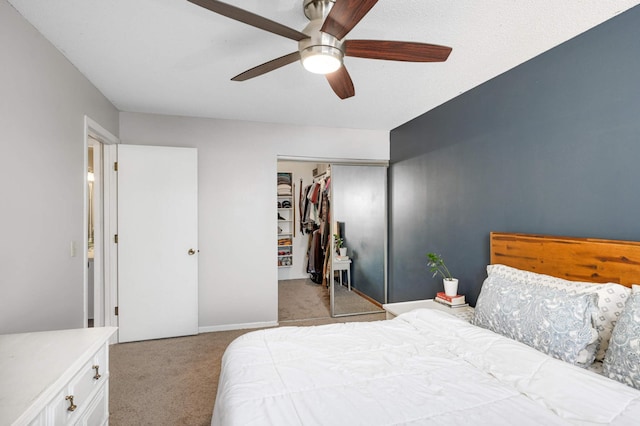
(173,57)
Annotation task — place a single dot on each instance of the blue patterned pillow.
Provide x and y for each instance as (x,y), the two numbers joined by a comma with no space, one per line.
(622,362)
(545,318)
(611,297)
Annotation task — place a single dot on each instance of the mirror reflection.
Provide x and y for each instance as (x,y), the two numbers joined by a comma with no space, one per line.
(359,228)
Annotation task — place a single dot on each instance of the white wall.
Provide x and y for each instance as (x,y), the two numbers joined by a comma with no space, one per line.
(43,100)
(237,194)
(300,170)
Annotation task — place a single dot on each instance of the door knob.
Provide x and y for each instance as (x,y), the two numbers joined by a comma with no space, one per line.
(191,252)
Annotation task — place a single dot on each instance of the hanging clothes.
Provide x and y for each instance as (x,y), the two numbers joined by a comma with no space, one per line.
(315,258)
(326,222)
(309,220)
(314,206)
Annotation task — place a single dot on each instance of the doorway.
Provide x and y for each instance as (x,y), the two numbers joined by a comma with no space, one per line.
(98,251)
(95,263)
(322,290)
(299,298)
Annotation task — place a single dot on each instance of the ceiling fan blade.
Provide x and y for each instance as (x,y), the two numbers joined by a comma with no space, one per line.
(396,50)
(344,15)
(249,18)
(268,66)
(340,82)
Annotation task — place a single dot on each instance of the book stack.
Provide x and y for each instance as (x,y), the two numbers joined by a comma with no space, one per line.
(456,301)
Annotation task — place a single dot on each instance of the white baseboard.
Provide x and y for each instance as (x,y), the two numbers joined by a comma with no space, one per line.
(227,327)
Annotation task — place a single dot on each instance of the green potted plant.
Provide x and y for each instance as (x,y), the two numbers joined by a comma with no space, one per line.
(437,266)
(339,243)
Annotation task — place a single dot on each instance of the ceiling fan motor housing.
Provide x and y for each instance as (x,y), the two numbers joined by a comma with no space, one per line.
(319,44)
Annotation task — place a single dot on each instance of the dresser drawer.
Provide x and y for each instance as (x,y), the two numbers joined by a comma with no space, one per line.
(73,401)
(98,412)
(40,420)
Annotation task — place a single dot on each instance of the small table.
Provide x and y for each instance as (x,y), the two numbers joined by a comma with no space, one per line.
(341,264)
(395,309)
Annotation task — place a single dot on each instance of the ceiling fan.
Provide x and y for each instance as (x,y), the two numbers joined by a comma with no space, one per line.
(321,45)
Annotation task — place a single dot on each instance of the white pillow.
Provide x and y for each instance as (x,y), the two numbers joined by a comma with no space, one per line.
(611,297)
(635,287)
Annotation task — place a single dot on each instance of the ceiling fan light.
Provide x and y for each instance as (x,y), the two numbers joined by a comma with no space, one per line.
(321,59)
(321,64)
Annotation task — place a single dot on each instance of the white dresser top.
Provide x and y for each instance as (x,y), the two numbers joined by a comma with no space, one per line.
(33,366)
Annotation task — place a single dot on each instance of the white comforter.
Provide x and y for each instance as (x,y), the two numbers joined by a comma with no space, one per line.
(423,367)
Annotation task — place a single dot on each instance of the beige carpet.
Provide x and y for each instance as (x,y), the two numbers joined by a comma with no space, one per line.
(302,299)
(350,302)
(174,381)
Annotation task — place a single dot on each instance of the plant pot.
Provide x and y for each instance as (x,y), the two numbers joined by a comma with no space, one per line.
(450,286)
(343,251)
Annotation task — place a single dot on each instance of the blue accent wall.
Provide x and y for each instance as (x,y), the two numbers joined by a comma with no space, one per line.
(549,147)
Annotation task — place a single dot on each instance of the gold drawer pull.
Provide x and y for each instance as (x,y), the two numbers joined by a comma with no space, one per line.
(97,375)
(72,406)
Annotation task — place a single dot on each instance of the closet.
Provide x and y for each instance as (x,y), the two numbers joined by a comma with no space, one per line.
(347,201)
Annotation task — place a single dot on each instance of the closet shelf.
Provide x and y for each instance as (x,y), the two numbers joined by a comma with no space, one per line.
(286,219)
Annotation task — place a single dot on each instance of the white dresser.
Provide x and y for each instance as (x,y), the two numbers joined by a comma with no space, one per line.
(55,377)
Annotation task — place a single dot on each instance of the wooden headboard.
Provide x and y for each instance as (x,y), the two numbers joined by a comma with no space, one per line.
(575,259)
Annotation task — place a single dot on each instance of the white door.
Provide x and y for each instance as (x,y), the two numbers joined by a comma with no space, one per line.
(157,242)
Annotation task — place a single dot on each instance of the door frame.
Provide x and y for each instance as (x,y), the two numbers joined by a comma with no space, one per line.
(105,293)
(350,162)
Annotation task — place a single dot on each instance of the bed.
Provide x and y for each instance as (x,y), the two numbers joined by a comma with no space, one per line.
(429,367)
